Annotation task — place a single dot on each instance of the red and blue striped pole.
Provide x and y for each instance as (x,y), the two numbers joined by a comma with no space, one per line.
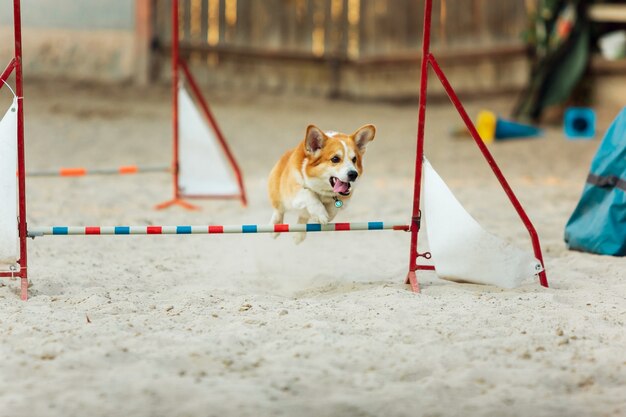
(213,229)
(81,172)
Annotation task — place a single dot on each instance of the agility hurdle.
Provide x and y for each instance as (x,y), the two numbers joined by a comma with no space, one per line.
(177,64)
(81,172)
(428,61)
(180,194)
(213,229)
(15,66)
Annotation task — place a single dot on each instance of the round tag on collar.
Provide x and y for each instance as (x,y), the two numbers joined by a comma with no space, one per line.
(338,203)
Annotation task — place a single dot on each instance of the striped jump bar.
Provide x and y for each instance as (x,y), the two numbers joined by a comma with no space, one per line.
(81,172)
(209,230)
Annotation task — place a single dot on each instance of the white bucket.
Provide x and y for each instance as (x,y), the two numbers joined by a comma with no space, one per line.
(613,45)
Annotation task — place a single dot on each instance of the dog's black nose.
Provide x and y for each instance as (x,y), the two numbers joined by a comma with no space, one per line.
(352,175)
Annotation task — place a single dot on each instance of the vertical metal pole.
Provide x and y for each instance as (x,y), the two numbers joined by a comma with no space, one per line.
(419,158)
(19,83)
(176,200)
(175,61)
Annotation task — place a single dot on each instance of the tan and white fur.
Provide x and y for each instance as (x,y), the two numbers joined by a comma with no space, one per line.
(322,169)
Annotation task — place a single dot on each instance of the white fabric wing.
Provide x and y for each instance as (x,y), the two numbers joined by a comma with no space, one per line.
(9,245)
(203,167)
(461,249)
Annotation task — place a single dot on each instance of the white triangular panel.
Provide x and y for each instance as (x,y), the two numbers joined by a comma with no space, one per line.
(461,249)
(204,169)
(9,244)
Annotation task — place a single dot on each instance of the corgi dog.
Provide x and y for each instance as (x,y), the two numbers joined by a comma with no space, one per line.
(317,178)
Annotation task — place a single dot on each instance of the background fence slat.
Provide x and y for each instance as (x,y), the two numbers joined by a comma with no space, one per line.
(337,32)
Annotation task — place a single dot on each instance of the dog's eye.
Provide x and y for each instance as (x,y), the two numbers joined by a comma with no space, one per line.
(354,160)
(335,159)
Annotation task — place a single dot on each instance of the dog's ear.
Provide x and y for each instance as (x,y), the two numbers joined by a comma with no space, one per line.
(363,136)
(315,139)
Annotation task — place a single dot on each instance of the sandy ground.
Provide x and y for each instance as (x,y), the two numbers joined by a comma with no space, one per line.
(248,326)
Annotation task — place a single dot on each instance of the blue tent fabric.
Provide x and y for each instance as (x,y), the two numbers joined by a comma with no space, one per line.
(598,224)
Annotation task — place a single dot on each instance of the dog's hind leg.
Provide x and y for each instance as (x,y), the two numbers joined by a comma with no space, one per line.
(277,218)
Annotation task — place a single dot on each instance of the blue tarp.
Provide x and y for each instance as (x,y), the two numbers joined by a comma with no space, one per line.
(598,224)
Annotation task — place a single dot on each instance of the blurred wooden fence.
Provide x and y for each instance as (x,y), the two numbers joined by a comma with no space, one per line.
(342,32)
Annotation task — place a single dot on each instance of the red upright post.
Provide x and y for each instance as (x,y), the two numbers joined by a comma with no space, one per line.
(428,60)
(177,63)
(177,200)
(16,65)
(419,158)
(21,166)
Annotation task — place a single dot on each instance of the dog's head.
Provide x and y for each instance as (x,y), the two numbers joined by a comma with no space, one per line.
(334,161)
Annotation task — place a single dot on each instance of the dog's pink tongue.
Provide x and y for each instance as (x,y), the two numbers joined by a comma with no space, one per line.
(340,186)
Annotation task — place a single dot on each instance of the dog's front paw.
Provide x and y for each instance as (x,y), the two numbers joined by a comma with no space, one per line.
(321,218)
(298,237)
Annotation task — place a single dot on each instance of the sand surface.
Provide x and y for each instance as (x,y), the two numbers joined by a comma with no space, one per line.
(249,326)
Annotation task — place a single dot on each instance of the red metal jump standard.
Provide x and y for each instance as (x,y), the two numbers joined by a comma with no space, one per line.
(177,64)
(16,66)
(428,60)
